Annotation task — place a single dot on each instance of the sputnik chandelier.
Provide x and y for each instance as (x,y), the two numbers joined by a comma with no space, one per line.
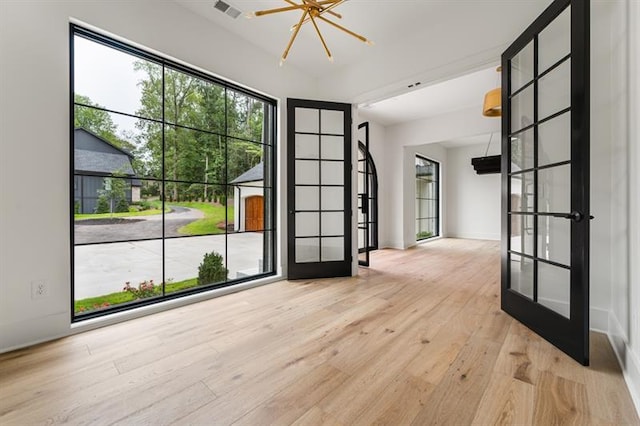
(312,11)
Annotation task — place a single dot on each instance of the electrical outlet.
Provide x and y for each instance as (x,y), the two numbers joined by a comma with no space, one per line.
(39,289)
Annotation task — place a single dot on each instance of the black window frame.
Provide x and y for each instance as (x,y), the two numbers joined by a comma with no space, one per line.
(437,200)
(269,157)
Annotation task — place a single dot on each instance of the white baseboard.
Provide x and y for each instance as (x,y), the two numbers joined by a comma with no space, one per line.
(474,236)
(599,320)
(628,360)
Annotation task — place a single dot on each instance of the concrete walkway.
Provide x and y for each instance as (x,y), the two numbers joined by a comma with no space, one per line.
(104,268)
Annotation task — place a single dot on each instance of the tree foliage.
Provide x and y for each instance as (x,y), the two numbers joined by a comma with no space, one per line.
(97,121)
(112,198)
(200,115)
(212,135)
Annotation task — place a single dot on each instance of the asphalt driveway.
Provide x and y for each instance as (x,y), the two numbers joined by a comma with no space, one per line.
(134,228)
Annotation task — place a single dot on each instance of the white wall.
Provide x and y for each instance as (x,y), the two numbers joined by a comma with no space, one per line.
(615,111)
(473,201)
(402,142)
(34,134)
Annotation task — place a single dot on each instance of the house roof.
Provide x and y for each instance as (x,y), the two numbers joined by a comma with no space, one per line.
(79,130)
(102,162)
(255,173)
(95,154)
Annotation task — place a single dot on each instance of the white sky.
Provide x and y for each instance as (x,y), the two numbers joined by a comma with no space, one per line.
(107,77)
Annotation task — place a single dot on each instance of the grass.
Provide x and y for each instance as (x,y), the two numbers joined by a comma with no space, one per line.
(213,215)
(93,303)
(85,216)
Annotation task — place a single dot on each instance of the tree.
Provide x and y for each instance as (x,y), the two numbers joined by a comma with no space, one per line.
(199,114)
(112,198)
(97,121)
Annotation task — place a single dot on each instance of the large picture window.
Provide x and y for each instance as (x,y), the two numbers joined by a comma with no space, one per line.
(172,178)
(427,198)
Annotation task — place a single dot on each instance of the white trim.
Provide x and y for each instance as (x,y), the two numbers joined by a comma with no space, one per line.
(627,359)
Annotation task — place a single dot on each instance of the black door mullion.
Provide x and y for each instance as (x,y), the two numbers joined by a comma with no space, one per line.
(580,158)
(536,127)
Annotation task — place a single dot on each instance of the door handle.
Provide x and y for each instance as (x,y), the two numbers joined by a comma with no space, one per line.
(576,216)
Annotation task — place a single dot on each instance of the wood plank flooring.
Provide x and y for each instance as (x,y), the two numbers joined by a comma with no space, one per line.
(418,339)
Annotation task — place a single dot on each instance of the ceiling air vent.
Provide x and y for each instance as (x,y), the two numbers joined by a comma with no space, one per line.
(227,8)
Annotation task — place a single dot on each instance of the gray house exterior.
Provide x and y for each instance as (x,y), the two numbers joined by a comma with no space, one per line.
(94,160)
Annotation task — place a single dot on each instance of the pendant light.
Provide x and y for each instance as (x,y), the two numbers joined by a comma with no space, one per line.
(492,106)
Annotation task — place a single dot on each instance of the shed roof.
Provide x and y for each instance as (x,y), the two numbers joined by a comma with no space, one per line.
(255,173)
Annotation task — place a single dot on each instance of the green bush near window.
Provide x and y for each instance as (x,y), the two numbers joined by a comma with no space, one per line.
(424,234)
(212,269)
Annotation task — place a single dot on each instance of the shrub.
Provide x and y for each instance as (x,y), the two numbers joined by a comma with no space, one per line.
(145,289)
(121,206)
(103,205)
(212,269)
(424,234)
(142,205)
(76,207)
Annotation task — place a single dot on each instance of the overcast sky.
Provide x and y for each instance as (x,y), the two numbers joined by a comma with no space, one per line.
(107,77)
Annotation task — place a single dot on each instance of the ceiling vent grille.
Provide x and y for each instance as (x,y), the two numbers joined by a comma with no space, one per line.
(227,9)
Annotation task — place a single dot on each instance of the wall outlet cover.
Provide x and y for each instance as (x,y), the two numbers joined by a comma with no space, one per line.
(39,289)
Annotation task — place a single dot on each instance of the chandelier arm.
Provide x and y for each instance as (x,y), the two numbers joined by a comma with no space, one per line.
(324,44)
(325,10)
(322,8)
(351,33)
(280,9)
(293,37)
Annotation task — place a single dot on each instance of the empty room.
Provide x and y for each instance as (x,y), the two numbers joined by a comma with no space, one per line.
(318,212)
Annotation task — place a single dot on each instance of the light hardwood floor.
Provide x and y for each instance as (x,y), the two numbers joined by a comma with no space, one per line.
(418,338)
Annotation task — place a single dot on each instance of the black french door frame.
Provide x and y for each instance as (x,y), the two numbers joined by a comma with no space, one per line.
(364,199)
(320,268)
(570,334)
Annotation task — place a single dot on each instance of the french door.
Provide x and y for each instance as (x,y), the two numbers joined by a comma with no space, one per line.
(364,196)
(545,177)
(319,189)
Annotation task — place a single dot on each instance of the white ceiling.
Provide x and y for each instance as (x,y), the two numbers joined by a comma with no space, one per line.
(452,95)
(415,40)
(382,21)
(473,140)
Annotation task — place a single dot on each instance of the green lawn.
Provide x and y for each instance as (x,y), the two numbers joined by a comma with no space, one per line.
(92,303)
(213,215)
(86,216)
